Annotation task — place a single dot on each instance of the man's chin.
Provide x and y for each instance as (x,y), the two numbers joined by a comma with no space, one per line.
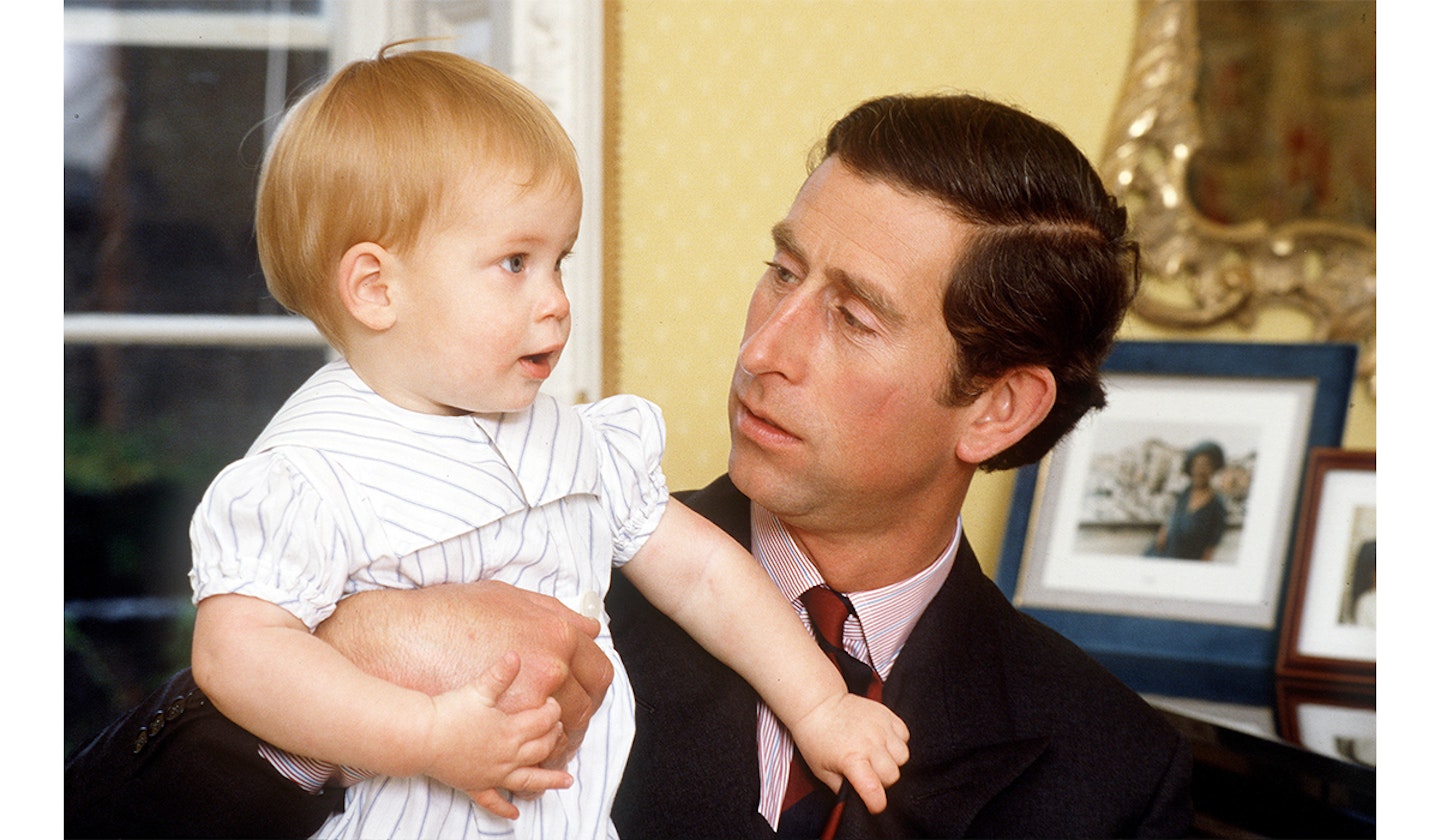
(760,477)
(744,467)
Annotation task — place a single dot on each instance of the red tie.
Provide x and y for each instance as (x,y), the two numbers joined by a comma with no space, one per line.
(809,808)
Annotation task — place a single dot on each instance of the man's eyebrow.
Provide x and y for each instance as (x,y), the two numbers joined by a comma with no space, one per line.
(868,293)
(785,239)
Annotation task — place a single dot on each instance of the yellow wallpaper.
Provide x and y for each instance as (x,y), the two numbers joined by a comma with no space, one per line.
(712,108)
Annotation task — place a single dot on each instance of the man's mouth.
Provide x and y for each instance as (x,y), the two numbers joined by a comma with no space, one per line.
(761,428)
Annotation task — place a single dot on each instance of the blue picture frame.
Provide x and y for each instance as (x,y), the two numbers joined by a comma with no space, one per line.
(1143,647)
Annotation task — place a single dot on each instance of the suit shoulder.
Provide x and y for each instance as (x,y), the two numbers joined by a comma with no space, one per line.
(1066,680)
(1107,741)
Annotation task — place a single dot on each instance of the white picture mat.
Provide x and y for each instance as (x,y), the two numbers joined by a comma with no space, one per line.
(1343,495)
(1054,574)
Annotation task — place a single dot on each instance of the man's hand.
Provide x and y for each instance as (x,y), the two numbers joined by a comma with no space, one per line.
(442,637)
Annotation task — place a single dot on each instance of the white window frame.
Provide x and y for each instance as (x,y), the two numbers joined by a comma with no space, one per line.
(555,49)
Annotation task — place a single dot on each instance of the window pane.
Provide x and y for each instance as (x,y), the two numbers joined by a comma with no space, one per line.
(162,148)
(146,429)
(158,422)
(309,7)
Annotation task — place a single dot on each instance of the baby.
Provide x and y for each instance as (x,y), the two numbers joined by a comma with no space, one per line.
(418,208)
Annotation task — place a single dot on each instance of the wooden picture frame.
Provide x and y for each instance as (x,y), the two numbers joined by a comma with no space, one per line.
(1329,626)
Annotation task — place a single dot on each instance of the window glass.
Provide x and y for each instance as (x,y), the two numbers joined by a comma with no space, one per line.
(293,6)
(162,150)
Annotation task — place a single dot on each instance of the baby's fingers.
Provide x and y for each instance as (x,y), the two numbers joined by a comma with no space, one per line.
(867,784)
(899,749)
(537,780)
(499,677)
(492,801)
(538,732)
(900,730)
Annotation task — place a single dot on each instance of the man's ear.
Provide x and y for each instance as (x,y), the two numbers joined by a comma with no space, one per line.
(363,280)
(1006,411)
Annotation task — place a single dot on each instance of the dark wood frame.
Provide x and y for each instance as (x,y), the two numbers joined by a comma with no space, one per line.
(1291,663)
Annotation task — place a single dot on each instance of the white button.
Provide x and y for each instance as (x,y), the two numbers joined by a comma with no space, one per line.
(591,606)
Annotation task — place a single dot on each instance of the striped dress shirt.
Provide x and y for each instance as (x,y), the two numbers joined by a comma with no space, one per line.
(875,634)
(345,492)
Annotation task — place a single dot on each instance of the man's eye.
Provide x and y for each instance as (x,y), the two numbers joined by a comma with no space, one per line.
(783,274)
(514,263)
(852,321)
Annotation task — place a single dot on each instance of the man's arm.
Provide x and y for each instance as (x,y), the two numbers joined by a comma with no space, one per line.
(439,637)
(248,652)
(196,773)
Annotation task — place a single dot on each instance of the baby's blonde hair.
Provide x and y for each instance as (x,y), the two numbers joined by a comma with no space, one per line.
(367,157)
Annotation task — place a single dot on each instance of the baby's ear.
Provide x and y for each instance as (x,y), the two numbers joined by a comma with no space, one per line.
(363,282)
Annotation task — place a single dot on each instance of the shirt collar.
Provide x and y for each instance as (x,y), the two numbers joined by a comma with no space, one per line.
(535,440)
(494,465)
(885,615)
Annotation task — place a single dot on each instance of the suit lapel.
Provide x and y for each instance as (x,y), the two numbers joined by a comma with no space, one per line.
(693,762)
(732,701)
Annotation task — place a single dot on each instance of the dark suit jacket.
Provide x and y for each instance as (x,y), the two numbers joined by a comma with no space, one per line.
(1013,730)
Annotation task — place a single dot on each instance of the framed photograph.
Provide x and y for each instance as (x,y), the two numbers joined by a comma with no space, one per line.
(1161,526)
(1329,627)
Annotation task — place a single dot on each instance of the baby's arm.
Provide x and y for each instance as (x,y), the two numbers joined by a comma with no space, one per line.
(261,667)
(714,589)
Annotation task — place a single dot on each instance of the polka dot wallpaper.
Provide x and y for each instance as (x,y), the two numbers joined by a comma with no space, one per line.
(712,107)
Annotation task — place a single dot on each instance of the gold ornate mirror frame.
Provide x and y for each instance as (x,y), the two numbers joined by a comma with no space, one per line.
(1199,272)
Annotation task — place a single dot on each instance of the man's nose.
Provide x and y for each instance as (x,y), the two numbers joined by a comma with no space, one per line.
(779,335)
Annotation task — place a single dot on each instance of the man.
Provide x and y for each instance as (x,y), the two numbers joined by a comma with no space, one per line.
(943,292)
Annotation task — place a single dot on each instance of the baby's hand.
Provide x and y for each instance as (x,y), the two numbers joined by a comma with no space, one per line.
(858,739)
(478,748)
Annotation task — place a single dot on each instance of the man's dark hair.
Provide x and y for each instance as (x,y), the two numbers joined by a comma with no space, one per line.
(1048,273)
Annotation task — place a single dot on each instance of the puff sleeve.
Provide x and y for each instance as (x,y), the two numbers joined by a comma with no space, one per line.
(631,434)
(265,530)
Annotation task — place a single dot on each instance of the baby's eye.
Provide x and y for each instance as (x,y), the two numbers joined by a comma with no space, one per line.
(515,263)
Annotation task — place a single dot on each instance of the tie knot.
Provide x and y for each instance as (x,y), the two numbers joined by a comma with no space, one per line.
(828,610)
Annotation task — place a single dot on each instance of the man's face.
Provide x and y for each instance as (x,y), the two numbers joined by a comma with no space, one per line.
(835,416)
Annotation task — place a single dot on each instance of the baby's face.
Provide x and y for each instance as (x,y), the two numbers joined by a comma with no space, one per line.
(484,314)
